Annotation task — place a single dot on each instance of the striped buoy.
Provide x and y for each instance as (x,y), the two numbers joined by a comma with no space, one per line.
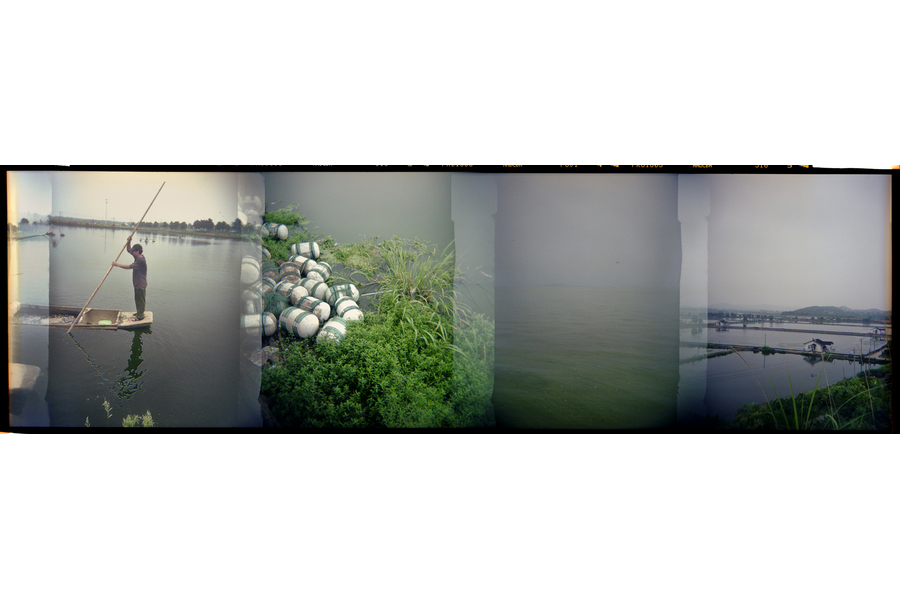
(276,230)
(299,322)
(308,266)
(253,301)
(250,272)
(269,324)
(347,309)
(343,290)
(335,329)
(292,291)
(289,268)
(308,249)
(304,263)
(316,288)
(320,308)
(320,271)
(290,278)
(268,285)
(262,325)
(252,324)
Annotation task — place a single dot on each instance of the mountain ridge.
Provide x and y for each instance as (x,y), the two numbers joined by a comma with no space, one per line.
(839,311)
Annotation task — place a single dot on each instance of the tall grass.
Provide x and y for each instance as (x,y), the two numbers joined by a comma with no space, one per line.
(796,414)
(403,268)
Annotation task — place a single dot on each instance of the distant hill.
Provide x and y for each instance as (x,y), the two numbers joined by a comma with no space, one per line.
(726,306)
(840,312)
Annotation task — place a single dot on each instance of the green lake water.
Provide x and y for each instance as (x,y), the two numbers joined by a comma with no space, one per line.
(585,358)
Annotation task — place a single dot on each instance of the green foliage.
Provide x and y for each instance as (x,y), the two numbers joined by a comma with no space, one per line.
(409,269)
(859,403)
(391,371)
(138,420)
(283,217)
(768,350)
(298,224)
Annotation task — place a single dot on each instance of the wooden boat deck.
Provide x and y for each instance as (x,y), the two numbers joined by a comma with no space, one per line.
(63,316)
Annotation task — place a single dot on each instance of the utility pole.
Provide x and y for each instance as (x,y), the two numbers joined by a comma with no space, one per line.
(106,213)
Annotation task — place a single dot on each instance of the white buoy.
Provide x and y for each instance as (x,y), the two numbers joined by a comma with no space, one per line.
(335,329)
(289,268)
(253,301)
(299,322)
(337,292)
(269,324)
(250,272)
(320,308)
(292,291)
(268,285)
(308,249)
(316,288)
(252,324)
(347,309)
(321,272)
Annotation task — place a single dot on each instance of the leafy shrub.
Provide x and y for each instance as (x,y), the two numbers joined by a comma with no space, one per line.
(386,373)
(283,217)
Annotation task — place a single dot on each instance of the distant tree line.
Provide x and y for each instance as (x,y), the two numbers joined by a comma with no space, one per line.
(206,225)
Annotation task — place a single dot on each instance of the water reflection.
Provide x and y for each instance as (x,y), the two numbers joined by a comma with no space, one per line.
(130,382)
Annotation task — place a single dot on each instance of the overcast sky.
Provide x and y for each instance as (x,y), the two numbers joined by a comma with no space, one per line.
(185,196)
(605,231)
(800,240)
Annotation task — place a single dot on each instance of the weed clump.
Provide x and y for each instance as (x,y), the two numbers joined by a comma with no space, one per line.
(859,403)
(387,373)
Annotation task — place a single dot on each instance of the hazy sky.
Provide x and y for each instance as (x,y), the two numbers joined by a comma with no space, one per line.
(613,231)
(800,240)
(185,196)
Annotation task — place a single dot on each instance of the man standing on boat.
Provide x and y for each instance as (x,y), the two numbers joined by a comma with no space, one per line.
(139,278)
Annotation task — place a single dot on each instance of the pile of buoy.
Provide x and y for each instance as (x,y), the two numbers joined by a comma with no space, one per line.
(294,296)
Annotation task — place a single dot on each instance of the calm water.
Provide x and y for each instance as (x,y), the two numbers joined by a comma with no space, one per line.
(186,368)
(721,385)
(585,358)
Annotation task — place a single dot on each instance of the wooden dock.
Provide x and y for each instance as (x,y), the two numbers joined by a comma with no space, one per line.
(869,358)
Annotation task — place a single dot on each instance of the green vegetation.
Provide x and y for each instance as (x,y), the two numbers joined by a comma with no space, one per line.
(285,217)
(408,268)
(138,420)
(420,360)
(145,420)
(860,403)
(390,371)
(280,250)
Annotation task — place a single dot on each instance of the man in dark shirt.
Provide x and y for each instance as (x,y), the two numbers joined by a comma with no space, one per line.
(139,277)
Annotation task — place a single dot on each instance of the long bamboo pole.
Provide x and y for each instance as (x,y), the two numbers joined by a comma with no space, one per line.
(116,259)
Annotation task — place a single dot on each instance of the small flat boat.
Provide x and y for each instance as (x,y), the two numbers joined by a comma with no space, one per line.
(64,316)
